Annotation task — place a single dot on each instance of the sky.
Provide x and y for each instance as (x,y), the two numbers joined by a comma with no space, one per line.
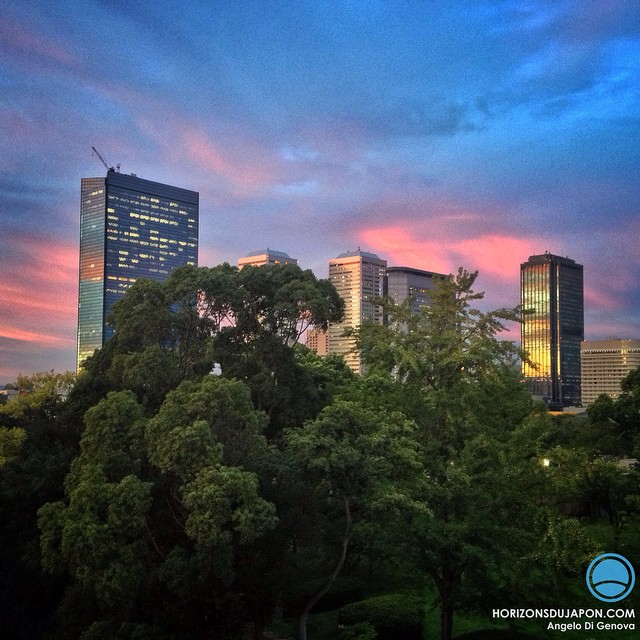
(436,134)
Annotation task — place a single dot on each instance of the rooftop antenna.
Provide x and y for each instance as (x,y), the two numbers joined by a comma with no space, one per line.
(107,167)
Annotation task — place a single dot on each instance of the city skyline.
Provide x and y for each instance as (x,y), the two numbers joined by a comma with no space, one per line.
(469,135)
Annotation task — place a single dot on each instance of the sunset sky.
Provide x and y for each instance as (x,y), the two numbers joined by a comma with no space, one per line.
(435,134)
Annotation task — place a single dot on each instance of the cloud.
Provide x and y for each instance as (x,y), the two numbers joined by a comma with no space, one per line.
(498,256)
(473,134)
(9,332)
(32,49)
(38,291)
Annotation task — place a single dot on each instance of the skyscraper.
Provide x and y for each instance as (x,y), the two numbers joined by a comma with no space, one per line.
(267,256)
(551,295)
(129,228)
(358,277)
(406,282)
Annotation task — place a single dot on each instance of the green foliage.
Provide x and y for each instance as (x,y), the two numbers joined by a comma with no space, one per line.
(98,532)
(468,519)
(38,442)
(225,501)
(205,423)
(393,616)
(157,510)
(446,343)
(197,504)
(618,421)
(11,440)
(284,301)
(562,558)
(350,447)
(42,395)
(247,321)
(352,457)
(358,631)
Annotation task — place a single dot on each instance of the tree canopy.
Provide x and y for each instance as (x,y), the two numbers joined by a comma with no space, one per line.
(153,498)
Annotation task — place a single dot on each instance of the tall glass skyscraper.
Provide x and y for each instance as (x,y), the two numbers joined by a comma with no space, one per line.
(551,295)
(130,228)
(406,282)
(358,277)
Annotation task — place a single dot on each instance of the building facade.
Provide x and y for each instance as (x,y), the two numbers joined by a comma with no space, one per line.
(604,364)
(268,256)
(317,341)
(405,282)
(130,228)
(358,277)
(551,295)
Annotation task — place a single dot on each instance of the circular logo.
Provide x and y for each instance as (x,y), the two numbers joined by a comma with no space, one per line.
(610,577)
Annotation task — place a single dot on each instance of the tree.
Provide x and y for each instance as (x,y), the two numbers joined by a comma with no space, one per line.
(627,412)
(247,321)
(11,440)
(351,456)
(164,513)
(38,441)
(41,396)
(471,520)
(284,301)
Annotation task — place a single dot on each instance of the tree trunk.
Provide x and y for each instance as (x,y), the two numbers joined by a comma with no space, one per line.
(446,621)
(315,597)
(446,588)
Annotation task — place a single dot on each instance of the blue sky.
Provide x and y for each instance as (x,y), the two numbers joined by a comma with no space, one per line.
(436,134)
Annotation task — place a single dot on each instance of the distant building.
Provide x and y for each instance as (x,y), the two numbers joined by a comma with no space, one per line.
(7,392)
(405,282)
(551,295)
(130,228)
(266,256)
(604,364)
(358,277)
(317,341)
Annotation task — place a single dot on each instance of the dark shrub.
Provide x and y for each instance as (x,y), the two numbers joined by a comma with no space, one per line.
(343,591)
(360,631)
(394,616)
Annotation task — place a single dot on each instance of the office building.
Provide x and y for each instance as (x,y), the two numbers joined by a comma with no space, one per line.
(604,364)
(317,341)
(551,295)
(267,256)
(130,228)
(405,282)
(8,392)
(358,277)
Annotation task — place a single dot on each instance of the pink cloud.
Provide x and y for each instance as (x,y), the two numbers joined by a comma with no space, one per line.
(399,246)
(15,333)
(499,255)
(229,155)
(242,169)
(38,293)
(35,46)
(496,255)
(600,299)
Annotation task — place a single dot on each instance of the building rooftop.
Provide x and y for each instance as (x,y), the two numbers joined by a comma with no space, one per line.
(549,257)
(271,252)
(419,272)
(364,254)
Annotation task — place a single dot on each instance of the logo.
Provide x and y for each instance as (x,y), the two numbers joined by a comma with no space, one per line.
(610,577)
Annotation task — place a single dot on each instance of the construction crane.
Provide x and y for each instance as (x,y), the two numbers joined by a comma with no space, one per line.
(107,167)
